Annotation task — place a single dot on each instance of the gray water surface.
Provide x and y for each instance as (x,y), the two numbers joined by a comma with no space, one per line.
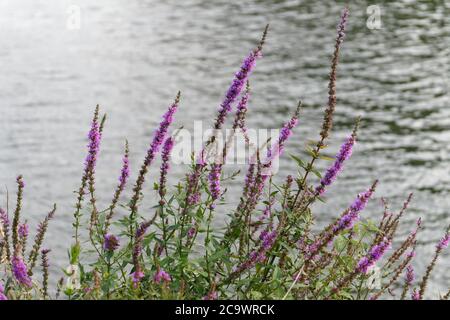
(131,57)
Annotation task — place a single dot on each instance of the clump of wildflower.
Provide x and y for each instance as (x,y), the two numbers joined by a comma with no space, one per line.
(161,275)
(375,253)
(110,242)
(20,271)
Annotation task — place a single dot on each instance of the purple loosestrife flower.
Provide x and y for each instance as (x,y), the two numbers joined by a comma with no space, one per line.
(110,242)
(375,253)
(20,271)
(331,174)
(123,178)
(191,232)
(416,295)
(161,275)
(285,133)
(214,182)
(443,243)
(410,276)
(213,295)
(125,172)
(158,139)
(165,156)
(238,83)
(137,275)
(23,230)
(347,221)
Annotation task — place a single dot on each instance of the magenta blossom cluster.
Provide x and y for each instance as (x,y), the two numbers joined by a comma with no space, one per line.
(161,276)
(416,295)
(110,242)
(410,276)
(214,182)
(267,239)
(236,87)
(347,221)
(344,153)
(23,230)
(124,172)
(375,254)
(213,295)
(443,243)
(20,271)
(94,137)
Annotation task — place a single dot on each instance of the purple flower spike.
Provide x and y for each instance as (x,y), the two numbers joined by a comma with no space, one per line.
(344,153)
(23,230)
(111,242)
(347,221)
(214,181)
(161,275)
(94,137)
(375,253)
(136,277)
(236,87)
(164,169)
(443,243)
(410,276)
(20,272)
(416,295)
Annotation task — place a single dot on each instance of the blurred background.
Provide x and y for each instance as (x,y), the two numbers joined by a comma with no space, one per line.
(60,58)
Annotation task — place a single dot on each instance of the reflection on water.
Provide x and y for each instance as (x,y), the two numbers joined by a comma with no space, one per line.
(132,56)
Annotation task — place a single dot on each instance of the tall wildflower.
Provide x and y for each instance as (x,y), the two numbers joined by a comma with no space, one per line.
(232,93)
(16,218)
(4,219)
(165,166)
(344,153)
(23,235)
(89,165)
(138,274)
(441,245)
(20,271)
(331,105)
(158,139)
(123,178)
(45,265)
(39,238)
(375,253)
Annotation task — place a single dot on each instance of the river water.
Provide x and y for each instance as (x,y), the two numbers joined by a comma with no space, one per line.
(131,57)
